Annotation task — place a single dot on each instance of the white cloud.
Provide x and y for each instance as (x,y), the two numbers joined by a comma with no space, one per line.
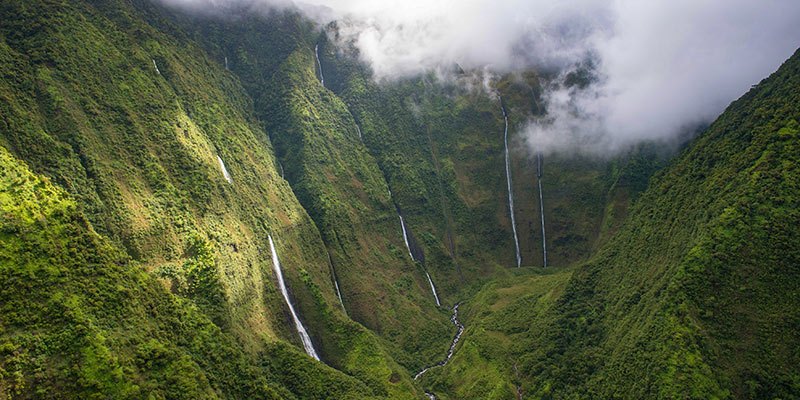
(662,64)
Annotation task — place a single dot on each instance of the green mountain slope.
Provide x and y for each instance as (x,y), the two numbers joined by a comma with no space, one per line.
(82,320)
(438,148)
(148,154)
(131,122)
(695,296)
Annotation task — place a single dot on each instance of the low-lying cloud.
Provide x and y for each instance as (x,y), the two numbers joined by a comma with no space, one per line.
(660,65)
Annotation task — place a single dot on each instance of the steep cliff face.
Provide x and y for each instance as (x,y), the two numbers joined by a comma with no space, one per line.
(149,156)
(159,147)
(692,297)
(81,319)
(356,151)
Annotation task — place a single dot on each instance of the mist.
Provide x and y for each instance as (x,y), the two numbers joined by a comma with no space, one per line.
(660,67)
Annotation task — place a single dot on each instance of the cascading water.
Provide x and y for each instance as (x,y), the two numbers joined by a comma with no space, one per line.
(508,184)
(276,264)
(452,350)
(319,64)
(224,170)
(433,289)
(541,205)
(335,281)
(156,65)
(539,165)
(226,63)
(339,294)
(405,236)
(281,165)
(519,387)
(411,254)
(358,129)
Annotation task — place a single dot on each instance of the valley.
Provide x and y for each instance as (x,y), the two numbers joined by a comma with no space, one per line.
(200,207)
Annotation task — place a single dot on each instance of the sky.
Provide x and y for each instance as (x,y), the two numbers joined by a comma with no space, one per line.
(662,66)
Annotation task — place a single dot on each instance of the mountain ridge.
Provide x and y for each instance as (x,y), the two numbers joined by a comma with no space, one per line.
(151,154)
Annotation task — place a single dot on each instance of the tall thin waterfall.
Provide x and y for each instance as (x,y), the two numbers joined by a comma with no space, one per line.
(319,64)
(156,65)
(276,264)
(403,227)
(508,184)
(224,170)
(411,254)
(226,63)
(335,280)
(405,235)
(541,205)
(339,294)
(433,289)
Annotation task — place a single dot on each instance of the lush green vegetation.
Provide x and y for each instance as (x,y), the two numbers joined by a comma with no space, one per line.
(83,104)
(130,267)
(694,296)
(82,320)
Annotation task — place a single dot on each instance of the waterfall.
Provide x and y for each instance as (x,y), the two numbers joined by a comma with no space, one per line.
(339,293)
(224,170)
(411,254)
(319,64)
(402,225)
(457,323)
(452,349)
(359,133)
(508,184)
(541,205)
(276,264)
(335,280)
(539,165)
(156,65)
(405,235)
(433,289)
(226,63)
(281,165)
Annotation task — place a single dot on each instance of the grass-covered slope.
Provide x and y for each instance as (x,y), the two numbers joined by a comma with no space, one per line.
(340,184)
(499,320)
(80,319)
(695,296)
(439,149)
(114,116)
(130,119)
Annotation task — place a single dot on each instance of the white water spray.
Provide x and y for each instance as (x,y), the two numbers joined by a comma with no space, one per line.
(224,170)
(433,289)
(319,64)
(541,205)
(508,184)
(226,63)
(276,264)
(156,65)
(405,236)
(408,247)
(339,294)
(335,280)
(452,350)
